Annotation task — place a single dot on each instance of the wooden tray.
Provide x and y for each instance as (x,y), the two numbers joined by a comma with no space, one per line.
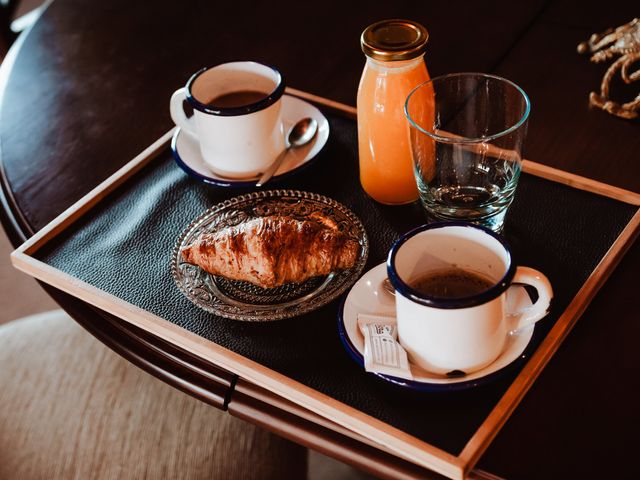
(348,419)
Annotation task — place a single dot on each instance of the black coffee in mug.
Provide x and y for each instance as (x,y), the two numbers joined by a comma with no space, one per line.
(451,283)
(240,98)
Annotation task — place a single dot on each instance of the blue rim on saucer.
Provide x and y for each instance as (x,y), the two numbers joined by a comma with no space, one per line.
(218,181)
(455,385)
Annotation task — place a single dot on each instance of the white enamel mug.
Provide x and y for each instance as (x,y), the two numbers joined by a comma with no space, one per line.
(235,142)
(467,333)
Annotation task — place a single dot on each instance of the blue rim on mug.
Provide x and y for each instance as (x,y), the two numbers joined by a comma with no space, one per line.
(448,303)
(261,104)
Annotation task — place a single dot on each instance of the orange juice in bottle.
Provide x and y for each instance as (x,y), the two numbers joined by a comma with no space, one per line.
(395,65)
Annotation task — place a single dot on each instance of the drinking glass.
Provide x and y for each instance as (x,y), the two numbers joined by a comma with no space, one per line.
(467,132)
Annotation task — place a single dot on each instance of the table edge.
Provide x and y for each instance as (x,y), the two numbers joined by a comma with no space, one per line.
(407,446)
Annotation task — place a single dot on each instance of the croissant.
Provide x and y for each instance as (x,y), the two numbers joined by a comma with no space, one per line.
(274,250)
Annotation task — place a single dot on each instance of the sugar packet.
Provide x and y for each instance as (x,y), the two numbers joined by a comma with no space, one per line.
(382,351)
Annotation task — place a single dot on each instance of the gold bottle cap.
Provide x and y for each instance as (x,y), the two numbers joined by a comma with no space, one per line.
(391,40)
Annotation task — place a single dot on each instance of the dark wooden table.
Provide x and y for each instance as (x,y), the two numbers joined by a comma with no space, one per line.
(87,89)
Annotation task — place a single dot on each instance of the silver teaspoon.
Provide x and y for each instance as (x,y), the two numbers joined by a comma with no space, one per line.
(386,284)
(300,134)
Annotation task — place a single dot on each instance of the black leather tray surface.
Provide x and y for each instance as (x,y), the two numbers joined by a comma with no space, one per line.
(123,246)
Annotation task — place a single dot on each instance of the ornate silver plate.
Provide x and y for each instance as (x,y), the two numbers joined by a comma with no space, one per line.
(239,300)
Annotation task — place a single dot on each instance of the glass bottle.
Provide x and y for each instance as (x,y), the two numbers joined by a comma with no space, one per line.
(395,65)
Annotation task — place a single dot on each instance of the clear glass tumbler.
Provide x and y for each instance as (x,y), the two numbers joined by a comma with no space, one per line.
(467,132)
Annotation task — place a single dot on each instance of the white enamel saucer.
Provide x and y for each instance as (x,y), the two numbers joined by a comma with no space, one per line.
(368,296)
(186,151)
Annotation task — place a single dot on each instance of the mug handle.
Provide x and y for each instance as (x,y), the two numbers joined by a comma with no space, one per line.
(176,108)
(526,317)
